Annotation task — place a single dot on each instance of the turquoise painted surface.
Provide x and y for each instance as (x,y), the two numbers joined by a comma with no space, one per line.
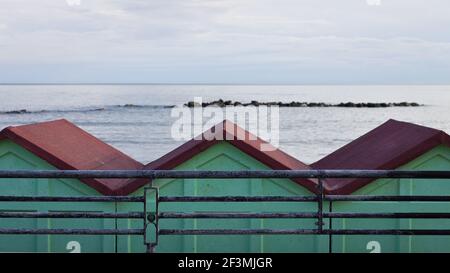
(224,156)
(435,159)
(13,156)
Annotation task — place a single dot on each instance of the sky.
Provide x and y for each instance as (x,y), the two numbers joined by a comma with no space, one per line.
(225,41)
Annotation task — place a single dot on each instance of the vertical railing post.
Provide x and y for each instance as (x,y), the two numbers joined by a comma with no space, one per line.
(151,218)
(320,206)
(330,228)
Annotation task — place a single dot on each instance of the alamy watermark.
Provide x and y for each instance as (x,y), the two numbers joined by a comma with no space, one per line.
(373,2)
(73,3)
(195,122)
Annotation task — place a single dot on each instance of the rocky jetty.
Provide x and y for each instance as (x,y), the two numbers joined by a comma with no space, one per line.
(224,103)
(21,111)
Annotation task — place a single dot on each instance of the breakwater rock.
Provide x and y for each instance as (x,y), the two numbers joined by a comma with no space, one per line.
(224,103)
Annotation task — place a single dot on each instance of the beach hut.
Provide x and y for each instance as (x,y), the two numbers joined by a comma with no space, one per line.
(52,145)
(392,145)
(231,148)
(60,144)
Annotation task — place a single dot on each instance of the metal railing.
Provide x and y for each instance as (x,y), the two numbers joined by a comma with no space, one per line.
(153,217)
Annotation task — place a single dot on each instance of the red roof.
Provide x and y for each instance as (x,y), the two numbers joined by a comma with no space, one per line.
(238,137)
(67,146)
(389,146)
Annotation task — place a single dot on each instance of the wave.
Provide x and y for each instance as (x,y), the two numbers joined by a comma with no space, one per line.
(84,110)
(44,111)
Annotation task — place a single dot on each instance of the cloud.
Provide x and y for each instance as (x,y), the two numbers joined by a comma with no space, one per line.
(294,41)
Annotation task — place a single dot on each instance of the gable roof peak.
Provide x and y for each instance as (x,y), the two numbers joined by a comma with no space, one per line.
(388,146)
(67,146)
(238,137)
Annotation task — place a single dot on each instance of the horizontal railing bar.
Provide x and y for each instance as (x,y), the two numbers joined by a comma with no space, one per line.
(303,231)
(234,231)
(396,215)
(237,198)
(73,231)
(130,215)
(224,198)
(411,198)
(174,215)
(389,232)
(72,199)
(223,174)
(414,198)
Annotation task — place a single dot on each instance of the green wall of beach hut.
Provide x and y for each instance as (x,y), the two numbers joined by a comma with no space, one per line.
(224,156)
(232,155)
(13,156)
(437,158)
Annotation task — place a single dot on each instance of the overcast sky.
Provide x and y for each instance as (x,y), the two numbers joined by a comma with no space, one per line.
(225,41)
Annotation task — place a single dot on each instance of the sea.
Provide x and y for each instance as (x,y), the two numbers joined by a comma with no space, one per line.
(137,119)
